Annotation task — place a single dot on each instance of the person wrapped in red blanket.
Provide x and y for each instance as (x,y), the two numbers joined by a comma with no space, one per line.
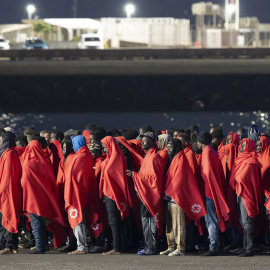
(184,198)
(40,195)
(149,185)
(10,192)
(214,191)
(246,180)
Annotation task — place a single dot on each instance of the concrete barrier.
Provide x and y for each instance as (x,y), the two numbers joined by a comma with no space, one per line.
(135,54)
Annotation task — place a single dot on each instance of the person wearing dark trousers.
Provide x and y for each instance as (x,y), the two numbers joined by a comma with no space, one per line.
(38,224)
(116,225)
(11,240)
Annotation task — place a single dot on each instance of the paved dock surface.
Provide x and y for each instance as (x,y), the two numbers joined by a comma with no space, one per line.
(54,260)
(140,67)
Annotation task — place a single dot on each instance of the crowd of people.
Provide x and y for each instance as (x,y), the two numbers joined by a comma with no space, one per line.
(167,192)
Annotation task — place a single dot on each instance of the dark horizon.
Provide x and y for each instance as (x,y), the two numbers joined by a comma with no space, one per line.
(109,8)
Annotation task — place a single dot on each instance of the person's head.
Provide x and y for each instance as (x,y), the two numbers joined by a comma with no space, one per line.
(174,146)
(177,131)
(145,128)
(185,140)
(105,148)
(21,140)
(259,146)
(37,137)
(46,135)
(28,132)
(7,140)
(247,146)
(56,135)
(96,149)
(170,131)
(67,147)
(163,140)
(130,134)
(217,135)
(78,142)
(114,132)
(242,133)
(194,130)
(89,126)
(204,138)
(157,132)
(97,134)
(148,140)
(253,129)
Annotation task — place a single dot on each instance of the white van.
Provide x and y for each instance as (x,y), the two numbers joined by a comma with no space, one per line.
(91,41)
(4,44)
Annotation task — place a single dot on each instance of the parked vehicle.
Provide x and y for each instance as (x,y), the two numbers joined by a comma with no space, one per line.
(91,41)
(4,44)
(35,44)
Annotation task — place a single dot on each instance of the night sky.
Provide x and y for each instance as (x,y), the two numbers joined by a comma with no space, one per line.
(13,11)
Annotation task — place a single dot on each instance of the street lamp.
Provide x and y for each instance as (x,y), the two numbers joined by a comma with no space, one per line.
(30,9)
(130,9)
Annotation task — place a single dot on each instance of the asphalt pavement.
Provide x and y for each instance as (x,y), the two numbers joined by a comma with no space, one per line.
(55,260)
(138,67)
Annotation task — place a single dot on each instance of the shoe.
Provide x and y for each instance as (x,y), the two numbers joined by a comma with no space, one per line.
(26,246)
(15,251)
(166,252)
(36,251)
(23,241)
(246,254)
(6,251)
(238,250)
(95,249)
(112,252)
(77,252)
(68,249)
(210,253)
(176,253)
(146,252)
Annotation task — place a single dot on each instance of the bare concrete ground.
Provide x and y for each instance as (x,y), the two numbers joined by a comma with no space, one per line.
(140,67)
(55,260)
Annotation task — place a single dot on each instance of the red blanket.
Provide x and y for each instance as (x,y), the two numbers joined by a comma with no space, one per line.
(182,187)
(213,176)
(149,182)
(246,178)
(10,189)
(191,158)
(136,158)
(86,134)
(57,155)
(264,159)
(114,181)
(40,194)
(81,192)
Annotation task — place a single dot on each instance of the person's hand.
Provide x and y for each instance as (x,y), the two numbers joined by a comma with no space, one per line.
(129,173)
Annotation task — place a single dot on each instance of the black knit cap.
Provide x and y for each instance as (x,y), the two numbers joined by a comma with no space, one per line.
(204,137)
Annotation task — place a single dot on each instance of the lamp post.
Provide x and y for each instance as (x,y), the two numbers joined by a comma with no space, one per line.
(130,9)
(30,9)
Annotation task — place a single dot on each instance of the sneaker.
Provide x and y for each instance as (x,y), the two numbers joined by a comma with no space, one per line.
(23,241)
(6,251)
(77,252)
(166,252)
(26,246)
(146,252)
(246,254)
(96,249)
(210,253)
(176,253)
(36,251)
(15,251)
